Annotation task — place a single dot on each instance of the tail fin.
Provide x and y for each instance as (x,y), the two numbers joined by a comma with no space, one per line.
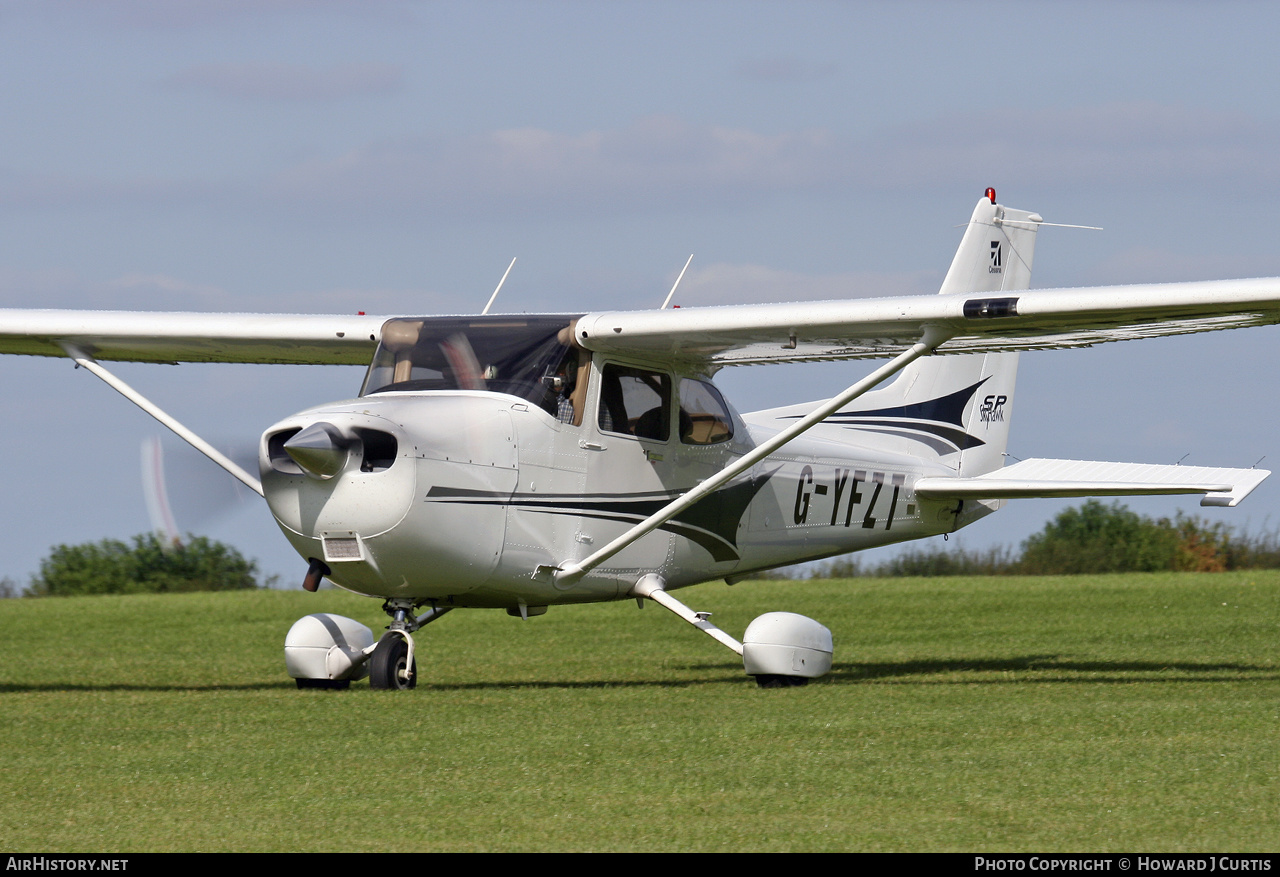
(960,406)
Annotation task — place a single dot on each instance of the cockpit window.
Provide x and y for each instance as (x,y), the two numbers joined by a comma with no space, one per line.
(528,357)
(635,401)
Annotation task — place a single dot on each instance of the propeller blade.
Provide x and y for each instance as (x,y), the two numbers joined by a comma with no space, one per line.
(185,492)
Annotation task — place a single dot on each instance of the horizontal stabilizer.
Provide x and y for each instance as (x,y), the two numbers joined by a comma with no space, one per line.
(1062,478)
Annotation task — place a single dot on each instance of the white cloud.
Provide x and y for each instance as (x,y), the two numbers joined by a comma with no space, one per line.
(291,82)
(656,160)
(64,288)
(663,163)
(186,14)
(1135,145)
(1157,265)
(723,284)
(55,189)
(163,285)
(666,161)
(785,70)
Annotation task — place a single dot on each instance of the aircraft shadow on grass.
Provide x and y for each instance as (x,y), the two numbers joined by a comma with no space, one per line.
(1037,669)
(1051,669)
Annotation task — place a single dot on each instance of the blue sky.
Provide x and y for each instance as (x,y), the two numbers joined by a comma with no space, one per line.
(392,157)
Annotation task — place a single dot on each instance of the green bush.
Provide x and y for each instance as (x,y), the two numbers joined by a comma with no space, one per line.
(149,566)
(1091,538)
(1097,538)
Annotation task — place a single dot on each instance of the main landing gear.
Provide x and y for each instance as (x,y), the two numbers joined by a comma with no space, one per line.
(780,649)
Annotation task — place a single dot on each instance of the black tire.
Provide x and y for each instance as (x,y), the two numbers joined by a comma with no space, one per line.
(389,658)
(769,680)
(328,684)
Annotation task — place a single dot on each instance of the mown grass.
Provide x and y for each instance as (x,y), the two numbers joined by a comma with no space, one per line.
(1111,713)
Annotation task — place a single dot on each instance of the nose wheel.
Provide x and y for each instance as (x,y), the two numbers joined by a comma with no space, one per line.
(391,667)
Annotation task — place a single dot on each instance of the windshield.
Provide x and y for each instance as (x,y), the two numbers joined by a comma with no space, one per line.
(523,356)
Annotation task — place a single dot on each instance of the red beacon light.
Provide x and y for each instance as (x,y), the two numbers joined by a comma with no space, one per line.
(991,193)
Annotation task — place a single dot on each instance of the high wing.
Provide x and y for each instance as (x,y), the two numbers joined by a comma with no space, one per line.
(975,323)
(134,336)
(713,336)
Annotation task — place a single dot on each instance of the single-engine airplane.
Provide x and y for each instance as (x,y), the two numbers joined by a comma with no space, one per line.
(521,462)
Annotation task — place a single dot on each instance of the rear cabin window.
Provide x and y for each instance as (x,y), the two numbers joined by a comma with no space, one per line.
(704,416)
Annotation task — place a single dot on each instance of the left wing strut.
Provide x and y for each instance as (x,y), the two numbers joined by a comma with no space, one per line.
(84,360)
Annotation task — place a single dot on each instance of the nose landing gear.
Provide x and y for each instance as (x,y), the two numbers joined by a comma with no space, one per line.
(393,665)
(329,651)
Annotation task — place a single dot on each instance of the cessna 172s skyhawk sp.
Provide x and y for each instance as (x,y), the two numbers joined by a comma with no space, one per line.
(518,462)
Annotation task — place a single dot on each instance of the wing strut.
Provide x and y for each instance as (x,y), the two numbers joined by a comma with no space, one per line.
(84,360)
(569,573)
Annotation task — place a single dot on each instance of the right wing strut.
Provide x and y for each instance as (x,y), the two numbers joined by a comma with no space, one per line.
(572,572)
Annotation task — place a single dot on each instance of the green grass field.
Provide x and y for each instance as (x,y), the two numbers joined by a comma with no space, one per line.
(1134,713)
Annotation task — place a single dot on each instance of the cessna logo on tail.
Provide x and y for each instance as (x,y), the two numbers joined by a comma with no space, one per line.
(996,258)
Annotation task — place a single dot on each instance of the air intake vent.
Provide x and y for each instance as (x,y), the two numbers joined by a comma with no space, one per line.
(278,456)
(379,450)
(339,548)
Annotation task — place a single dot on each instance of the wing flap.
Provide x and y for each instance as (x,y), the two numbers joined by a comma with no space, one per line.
(1041,478)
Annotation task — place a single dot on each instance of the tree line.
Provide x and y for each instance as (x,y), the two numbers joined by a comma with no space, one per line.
(150,565)
(1088,539)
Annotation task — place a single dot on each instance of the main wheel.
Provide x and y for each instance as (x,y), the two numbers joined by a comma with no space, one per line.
(389,659)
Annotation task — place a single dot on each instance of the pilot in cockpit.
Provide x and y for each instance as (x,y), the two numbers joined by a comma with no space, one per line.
(560,386)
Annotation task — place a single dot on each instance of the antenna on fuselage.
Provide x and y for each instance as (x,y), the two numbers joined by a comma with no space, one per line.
(677,283)
(500,282)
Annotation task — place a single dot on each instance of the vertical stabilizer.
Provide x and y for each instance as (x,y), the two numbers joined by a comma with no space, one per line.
(995,254)
(960,405)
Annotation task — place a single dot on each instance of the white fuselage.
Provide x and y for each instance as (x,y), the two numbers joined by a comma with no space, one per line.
(479,490)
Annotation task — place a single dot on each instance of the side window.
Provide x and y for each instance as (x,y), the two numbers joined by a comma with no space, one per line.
(635,402)
(704,416)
